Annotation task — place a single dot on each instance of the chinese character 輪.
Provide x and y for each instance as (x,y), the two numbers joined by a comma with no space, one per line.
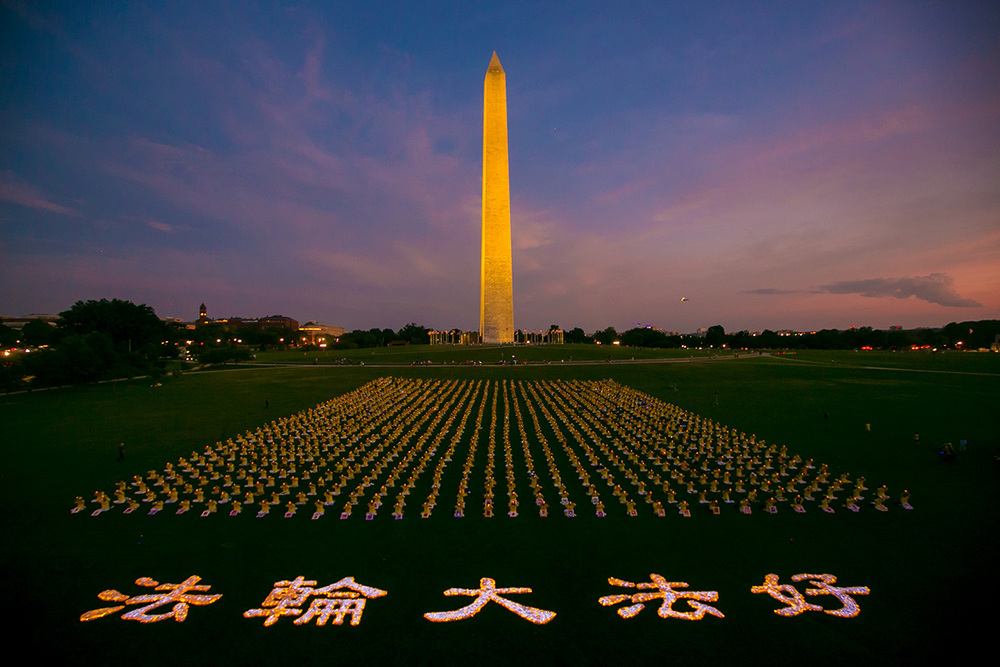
(343,598)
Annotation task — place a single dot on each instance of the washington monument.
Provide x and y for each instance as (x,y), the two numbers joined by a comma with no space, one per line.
(496,304)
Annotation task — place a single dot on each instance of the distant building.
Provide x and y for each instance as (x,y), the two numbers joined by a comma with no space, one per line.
(272,322)
(17,323)
(277,322)
(313,333)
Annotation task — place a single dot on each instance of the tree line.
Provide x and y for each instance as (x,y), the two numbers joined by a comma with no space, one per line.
(957,335)
(92,341)
(411,334)
(102,340)
(107,339)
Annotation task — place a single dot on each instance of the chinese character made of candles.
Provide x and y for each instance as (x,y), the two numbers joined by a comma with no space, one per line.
(796,603)
(343,598)
(347,598)
(179,594)
(487,592)
(661,589)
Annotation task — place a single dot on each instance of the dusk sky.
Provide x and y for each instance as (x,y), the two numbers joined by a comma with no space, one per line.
(782,165)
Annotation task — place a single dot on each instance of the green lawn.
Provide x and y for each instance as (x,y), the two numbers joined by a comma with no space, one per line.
(485,354)
(930,570)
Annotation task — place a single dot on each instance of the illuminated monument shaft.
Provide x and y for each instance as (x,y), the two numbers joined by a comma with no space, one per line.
(496,305)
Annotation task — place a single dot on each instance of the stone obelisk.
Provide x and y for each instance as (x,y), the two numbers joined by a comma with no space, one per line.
(496,305)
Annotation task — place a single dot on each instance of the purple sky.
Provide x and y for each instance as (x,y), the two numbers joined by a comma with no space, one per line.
(781,165)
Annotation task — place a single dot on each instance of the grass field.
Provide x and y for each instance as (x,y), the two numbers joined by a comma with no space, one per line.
(485,354)
(930,570)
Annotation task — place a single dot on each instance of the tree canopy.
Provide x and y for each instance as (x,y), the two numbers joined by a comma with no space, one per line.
(131,327)
(92,341)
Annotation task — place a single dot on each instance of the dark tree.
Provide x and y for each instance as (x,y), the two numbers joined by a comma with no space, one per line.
(607,336)
(715,336)
(131,327)
(768,340)
(79,359)
(38,332)
(415,334)
(8,336)
(100,340)
(221,355)
(741,340)
(645,337)
(972,335)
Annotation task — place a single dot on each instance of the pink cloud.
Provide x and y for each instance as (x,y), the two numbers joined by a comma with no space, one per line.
(22,194)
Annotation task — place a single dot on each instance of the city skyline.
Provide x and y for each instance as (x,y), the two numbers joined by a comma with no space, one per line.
(775,166)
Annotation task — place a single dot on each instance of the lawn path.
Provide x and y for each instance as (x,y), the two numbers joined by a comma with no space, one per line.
(886,368)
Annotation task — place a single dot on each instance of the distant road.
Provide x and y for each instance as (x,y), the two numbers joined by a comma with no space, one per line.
(591,362)
(886,368)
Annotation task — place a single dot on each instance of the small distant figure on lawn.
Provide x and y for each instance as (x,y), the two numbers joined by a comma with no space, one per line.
(826,421)
(947,453)
(121,451)
(904,500)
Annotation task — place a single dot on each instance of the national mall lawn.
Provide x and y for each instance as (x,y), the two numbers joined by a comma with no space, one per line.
(931,570)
